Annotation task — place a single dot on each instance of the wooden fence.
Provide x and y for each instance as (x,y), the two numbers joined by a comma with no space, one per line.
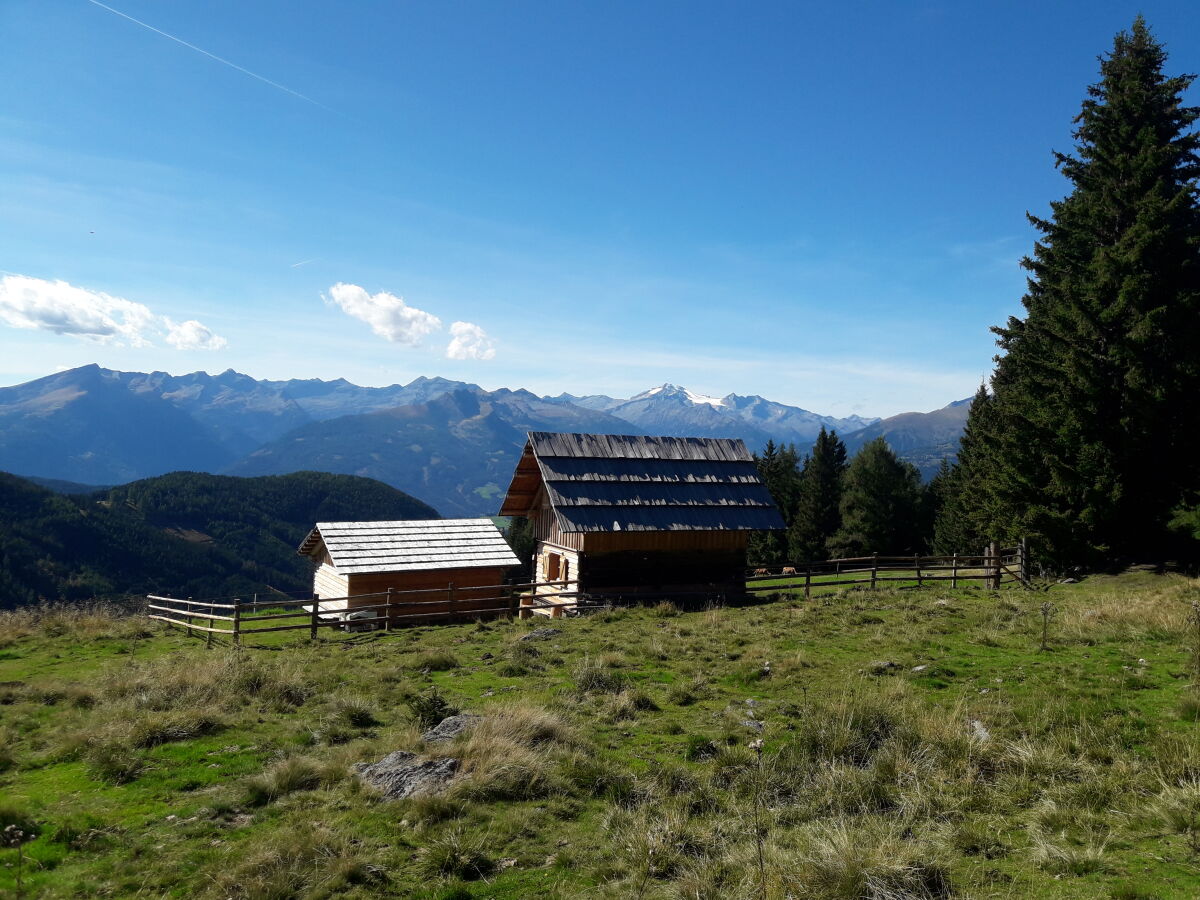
(235,616)
(993,567)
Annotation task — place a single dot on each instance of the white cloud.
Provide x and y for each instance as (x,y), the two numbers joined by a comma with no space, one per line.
(388,315)
(469,341)
(63,308)
(191,335)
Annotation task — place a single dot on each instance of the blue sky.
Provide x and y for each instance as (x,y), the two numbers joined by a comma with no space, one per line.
(820,203)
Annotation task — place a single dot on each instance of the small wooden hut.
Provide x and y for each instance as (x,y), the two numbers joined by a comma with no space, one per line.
(455,564)
(622,514)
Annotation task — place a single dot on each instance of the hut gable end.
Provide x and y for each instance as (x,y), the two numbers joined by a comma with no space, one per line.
(621,483)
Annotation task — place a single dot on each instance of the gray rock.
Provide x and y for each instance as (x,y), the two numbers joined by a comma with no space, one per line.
(920,668)
(540,634)
(752,724)
(979,731)
(883,667)
(401,774)
(450,727)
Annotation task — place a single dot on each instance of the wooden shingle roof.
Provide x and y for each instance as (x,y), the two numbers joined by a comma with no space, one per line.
(412,545)
(604,482)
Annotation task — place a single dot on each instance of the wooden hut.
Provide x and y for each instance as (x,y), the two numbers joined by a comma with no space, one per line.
(455,564)
(621,514)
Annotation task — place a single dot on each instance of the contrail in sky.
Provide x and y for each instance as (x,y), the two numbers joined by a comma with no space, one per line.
(274,84)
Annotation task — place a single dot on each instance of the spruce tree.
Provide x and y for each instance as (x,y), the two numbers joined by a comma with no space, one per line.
(1086,443)
(818,516)
(778,467)
(879,504)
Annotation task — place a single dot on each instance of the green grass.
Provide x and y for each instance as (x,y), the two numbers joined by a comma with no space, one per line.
(916,744)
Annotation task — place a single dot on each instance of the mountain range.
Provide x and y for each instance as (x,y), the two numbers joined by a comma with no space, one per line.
(450,443)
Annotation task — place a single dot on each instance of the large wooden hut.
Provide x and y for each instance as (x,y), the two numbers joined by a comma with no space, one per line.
(454,565)
(622,514)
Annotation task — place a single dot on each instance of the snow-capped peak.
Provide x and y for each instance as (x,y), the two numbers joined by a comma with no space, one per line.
(701,398)
(674,390)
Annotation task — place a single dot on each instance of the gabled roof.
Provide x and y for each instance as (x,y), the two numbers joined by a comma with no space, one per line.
(412,545)
(605,482)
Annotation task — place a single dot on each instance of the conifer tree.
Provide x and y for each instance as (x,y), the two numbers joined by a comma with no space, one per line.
(818,515)
(778,467)
(879,504)
(1086,443)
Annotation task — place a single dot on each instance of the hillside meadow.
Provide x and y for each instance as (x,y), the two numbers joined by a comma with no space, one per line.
(914,744)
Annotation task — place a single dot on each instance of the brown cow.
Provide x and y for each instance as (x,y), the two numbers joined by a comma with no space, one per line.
(789,570)
(758,572)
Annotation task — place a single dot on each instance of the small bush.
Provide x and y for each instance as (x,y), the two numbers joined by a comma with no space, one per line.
(628,703)
(436,661)
(113,762)
(592,677)
(846,860)
(429,707)
(665,609)
(355,712)
(1178,808)
(599,778)
(1067,859)
(18,816)
(685,693)
(154,728)
(699,748)
(978,837)
(456,854)
(1189,706)
(8,756)
(295,862)
(296,773)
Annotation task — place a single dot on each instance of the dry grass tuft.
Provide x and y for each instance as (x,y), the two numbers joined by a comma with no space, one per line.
(1064,858)
(295,773)
(308,861)
(77,621)
(868,859)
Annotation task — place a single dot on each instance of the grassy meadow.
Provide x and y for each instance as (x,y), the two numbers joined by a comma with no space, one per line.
(914,744)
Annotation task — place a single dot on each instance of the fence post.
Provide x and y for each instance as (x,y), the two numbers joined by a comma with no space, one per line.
(387,611)
(993,567)
(450,601)
(874,568)
(1023,560)
(808,582)
(312,625)
(188,630)
(917,564)
(208,634)
(954,571)
(237,620)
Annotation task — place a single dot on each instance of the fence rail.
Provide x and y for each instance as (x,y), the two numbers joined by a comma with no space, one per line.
(993,567)
(238,616)
(382,610)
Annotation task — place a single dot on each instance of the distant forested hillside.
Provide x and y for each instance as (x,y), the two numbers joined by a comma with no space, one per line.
(186,533)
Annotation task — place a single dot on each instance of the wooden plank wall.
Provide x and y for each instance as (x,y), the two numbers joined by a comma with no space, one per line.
(474,589)
(328,582)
